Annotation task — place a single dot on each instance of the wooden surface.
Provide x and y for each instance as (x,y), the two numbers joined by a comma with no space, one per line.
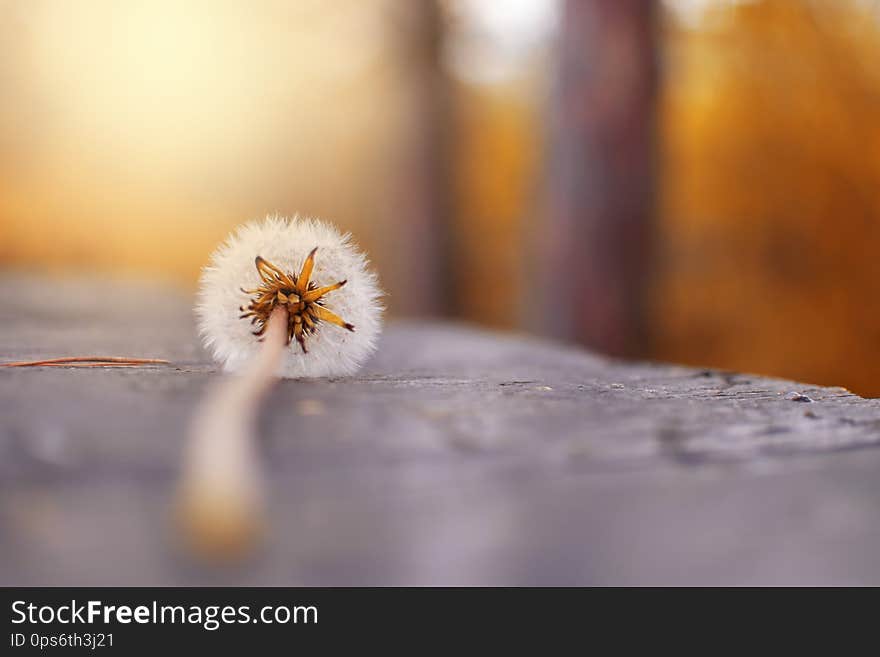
(456,457)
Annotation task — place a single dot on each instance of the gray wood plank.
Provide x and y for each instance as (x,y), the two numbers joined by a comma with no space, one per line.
(457,456)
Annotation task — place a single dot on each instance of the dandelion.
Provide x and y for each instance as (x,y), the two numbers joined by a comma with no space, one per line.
(281,297)
(306,267)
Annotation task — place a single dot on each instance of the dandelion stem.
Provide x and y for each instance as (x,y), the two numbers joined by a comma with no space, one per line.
(221,498)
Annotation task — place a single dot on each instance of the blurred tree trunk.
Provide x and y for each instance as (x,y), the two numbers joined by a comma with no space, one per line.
(425,186)
(597,240)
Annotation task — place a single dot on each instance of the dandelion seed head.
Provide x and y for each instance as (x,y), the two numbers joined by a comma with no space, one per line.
(232,282)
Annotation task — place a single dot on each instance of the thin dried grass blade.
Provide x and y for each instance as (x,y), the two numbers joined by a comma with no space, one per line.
(88,361)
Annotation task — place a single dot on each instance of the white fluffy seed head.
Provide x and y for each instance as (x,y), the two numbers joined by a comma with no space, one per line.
(332,350)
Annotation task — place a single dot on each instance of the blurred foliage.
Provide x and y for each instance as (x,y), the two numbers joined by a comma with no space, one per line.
(771,197)
(498,150)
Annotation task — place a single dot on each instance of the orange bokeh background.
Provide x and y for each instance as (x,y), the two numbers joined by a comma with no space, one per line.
(134,136)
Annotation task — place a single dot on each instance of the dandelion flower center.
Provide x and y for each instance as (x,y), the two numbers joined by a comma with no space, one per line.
(301,296)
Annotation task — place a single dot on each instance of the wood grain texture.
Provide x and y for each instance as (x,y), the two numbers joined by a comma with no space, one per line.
(457,457)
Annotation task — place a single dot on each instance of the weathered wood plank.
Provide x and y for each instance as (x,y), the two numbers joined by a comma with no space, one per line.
(456,457)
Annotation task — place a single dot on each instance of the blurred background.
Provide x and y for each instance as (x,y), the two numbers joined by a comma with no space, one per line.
(685,180)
